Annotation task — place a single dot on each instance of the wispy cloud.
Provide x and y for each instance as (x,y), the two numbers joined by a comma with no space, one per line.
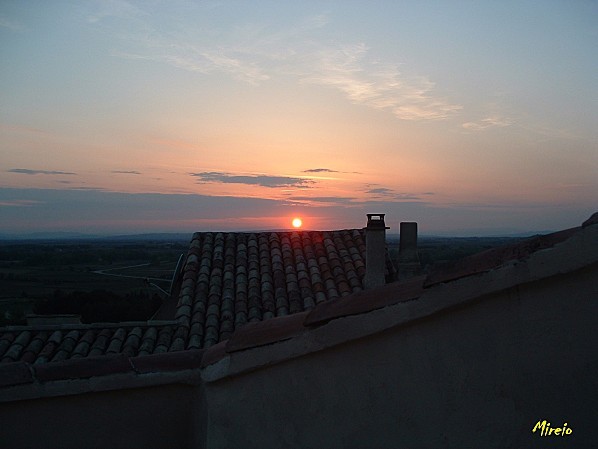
(380,191)
(126,172)
(239,68)
(320,170)
(27,171)
(329,170)
(18,203)
(323,200)
(488,122)
(110,9)
(255,54)
(256,180)
(386,194)
(204,61)
(378,85)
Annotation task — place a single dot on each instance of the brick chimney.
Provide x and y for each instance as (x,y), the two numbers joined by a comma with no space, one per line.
(375,251)
(409,265)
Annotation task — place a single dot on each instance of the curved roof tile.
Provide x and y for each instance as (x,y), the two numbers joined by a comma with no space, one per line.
(249,277)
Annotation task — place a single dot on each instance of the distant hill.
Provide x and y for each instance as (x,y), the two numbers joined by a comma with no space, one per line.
(156,236)
(61,236)
(475,235)
(48,236)
(186,236)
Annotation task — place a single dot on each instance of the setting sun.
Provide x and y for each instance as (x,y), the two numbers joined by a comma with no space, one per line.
(297,222)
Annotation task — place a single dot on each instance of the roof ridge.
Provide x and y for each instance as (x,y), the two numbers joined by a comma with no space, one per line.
(496,257)
(281,231)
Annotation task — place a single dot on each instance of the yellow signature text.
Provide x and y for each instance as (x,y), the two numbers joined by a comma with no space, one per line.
(545,430)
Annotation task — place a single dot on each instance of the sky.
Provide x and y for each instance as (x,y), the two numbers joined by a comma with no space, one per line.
(469,117)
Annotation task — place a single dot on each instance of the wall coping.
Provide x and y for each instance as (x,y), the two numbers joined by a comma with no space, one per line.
(22,381)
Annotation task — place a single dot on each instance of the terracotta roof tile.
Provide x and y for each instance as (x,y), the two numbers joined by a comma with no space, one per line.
(15,373)
(66,346)
(366,301)
(266,332)
(116,342)
(132,342)
(101,342)
(18,345)
(179,339)
(49,348)
(35,346)
(163,341)
(231,279)
(40,346)
(5,341)
(84,345)
(148,341)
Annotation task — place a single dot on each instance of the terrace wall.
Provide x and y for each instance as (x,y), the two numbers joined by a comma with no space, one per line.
(145,406)
(479,374)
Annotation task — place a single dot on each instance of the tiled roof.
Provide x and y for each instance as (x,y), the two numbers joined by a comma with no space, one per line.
(58,343)
(18,373)
(230,279)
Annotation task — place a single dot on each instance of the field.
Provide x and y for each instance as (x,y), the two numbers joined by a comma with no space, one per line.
(32,272)
(130,278)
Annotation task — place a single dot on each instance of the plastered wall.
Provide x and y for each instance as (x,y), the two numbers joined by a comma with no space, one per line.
(165,416)
(480,375)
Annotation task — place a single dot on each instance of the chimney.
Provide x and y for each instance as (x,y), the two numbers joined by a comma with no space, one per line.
(409,265)
(375,251)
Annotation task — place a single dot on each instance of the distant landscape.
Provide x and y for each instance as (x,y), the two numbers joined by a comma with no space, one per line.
(103,280)
(125,278)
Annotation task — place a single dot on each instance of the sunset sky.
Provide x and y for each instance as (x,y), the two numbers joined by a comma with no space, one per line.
(471,118)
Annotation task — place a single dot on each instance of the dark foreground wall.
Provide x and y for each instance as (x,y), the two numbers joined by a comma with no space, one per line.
(154,401)
(480,374)
(155,417)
